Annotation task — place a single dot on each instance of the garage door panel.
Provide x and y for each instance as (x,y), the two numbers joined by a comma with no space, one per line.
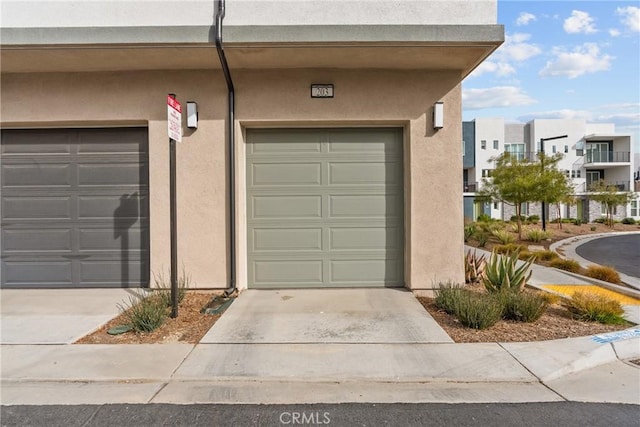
(364,206)
(34,174)
(364,271)
(38,240)
(36,142)
(302,272)
(298,174)
(364,238)
(21,208)
(119,208)
(112,272)
(286,239)
(112,240)
(46,273)
(370,173)
(111,174)
(286,207)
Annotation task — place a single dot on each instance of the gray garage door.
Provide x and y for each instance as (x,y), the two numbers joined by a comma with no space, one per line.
(325,208)
(75,208)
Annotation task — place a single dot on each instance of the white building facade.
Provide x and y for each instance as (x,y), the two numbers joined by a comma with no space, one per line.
(591,152)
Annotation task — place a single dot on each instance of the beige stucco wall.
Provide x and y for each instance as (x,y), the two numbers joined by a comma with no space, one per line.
(433,166)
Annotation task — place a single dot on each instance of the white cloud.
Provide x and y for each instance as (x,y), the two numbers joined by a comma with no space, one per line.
(498,96)
(524,18)
(579,22)
(515,48)
(501,69)
(614,32)
(565,114)
(583,59)
(630,17)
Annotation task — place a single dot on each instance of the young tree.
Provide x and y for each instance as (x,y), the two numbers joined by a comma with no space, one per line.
(514,182)
(556,187)
(517,181)
(610,196)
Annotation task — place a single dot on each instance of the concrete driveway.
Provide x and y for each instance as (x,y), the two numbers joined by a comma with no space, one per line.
(56,316)
(306,316)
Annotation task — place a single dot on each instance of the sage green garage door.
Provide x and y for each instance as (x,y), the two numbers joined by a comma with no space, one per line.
(325,208)
(75,208)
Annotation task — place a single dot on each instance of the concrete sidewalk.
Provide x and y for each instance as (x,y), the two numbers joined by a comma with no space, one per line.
(390,364)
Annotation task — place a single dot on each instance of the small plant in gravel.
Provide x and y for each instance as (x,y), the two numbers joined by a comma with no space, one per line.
(526,255)
(546,255)
(507,249)
(474,266)
(504,236)
(522,306)
(569,265)
(482,237)
(535,235)
(448,297)
(163,284)
(478,311)
(607,274)
(469,231)
(503,274)
(144,313)
(590,307)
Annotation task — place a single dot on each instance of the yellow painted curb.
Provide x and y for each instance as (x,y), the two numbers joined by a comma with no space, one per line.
(592,289)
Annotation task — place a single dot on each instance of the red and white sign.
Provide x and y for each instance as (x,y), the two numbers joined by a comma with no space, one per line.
(174,119)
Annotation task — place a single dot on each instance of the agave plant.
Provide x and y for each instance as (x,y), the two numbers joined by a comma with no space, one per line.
(474,267)
(502,274)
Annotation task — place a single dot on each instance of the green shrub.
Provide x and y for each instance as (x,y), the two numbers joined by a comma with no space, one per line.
(509,248)
(607,274)
(533,219)
(504,236)
(478,311)
(628,221)
(600,220)
(546,255)
(591,307)
(163,284)
(535,235)
(469,231)
(522,306)
(503,274)
(577,221)
(566,265)
(514,218)
(594,228)
(482,238)
(526,255)
(145,313)
(448,297)
(484,217)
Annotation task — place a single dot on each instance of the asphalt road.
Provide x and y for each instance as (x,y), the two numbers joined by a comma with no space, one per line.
(565,414)
(620,252)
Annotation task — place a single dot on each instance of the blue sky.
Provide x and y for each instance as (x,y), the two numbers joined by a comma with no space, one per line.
(562,59)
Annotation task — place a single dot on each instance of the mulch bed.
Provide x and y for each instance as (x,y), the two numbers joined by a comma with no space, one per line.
(189,327)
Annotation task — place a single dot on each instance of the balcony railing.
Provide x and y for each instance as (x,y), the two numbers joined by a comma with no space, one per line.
(470,187)
(621,185)
(607,157)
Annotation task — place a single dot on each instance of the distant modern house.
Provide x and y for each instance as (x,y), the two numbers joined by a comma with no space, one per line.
(325,155)
(591,152)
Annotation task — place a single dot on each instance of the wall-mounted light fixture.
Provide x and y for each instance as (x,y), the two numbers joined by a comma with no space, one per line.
(438,115)
(192,115)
